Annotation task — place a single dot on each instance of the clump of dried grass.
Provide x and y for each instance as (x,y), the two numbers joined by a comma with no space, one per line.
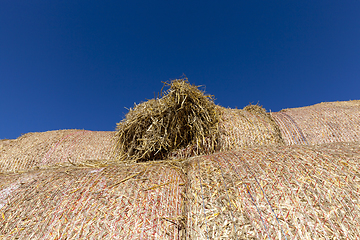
(183,117)
(256,109)
(248,127)
(260,110)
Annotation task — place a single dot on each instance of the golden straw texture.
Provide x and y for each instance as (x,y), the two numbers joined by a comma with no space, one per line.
(183,117)
(36,150)
(321,123)
(4,142)
(279,192)
(220,174)
(247,127)
(115,202)
(289,192)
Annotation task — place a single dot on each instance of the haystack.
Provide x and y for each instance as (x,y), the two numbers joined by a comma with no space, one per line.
(269,177)
(282,192)
(183,117)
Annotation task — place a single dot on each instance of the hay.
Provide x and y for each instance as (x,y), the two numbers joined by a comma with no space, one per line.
(280,192)
(38,150)
(142,201)
(183,117)
(68,185)
(320,123)
(237,129)
(249,127)
(4,142)
(288,192)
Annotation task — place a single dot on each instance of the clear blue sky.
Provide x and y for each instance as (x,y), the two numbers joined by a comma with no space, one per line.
(77,64)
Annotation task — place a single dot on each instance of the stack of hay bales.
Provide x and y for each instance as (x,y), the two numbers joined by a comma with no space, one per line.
(219,174)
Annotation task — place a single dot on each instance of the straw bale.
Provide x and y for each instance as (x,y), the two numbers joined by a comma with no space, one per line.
(248,127)
(142,201)
(36,150)
(237,128)
(183,117)
(279,192)
(321,123)
(4,142)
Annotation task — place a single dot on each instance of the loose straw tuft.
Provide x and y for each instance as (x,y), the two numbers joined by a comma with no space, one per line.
(183,117)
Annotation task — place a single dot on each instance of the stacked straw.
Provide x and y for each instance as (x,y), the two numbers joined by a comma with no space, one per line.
(249,127)
(37,150)
(142,201)
(321,123)
(289,192)
(269,180)
(280,192)
(186,122)
(183,118)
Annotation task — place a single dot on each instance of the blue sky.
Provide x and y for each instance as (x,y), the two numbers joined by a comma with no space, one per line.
(78,64)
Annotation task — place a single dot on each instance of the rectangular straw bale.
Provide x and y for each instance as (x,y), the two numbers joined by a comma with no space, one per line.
(321,123)
(283,192)
(240,128)
(142,201)
(34,150)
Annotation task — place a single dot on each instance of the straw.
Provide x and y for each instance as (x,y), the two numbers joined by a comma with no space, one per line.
(279,192)
(321,123)
(219,174)
(39,150)
(184,117)
(248,127)
(113,202)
